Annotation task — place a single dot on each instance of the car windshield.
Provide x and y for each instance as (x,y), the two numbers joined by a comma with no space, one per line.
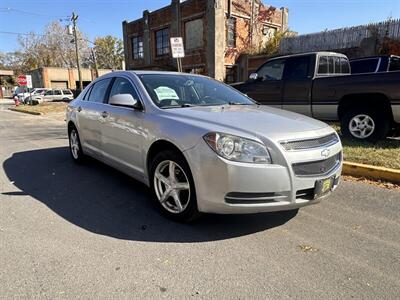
(171,91)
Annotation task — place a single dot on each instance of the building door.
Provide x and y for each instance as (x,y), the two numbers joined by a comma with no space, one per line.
(59,85)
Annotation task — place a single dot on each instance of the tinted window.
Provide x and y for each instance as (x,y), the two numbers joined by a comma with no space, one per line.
(344,65)
(394,64)
(57,92)
(99,91)
(272,70)
(298,68)
(67,92)
(49,93)
(123,86)
(364,65)
(323,65)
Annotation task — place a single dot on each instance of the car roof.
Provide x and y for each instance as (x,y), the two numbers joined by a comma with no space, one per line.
(321,53)
(375,56)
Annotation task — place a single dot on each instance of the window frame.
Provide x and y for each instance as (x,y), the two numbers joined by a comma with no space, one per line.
(137,50)
(163,37)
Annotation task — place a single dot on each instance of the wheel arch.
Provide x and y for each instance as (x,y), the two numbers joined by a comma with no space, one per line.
(365,100)
(158,146)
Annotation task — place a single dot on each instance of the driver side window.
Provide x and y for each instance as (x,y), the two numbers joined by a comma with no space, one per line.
(272,70)
(123,86)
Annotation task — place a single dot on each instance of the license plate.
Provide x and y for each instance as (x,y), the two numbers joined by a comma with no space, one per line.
(323,187)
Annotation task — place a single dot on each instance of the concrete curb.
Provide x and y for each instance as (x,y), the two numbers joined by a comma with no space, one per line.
(26,111)
(371,172)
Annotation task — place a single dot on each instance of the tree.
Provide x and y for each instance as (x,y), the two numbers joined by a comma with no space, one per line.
(53,48)
(109,52)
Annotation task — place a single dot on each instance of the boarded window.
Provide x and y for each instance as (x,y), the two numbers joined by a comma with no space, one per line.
(231,32)
(194,34)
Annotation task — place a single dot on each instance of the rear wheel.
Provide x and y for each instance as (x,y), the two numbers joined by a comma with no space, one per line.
(173,186)
(75,146)
(365,124)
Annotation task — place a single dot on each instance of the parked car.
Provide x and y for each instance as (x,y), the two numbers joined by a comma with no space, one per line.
(57,95)
(23,93)
(201,145)
(36,93)
(375,64)
(320,85)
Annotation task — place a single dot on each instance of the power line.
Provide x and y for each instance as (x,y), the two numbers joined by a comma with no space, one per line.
(20,33)
(10,9)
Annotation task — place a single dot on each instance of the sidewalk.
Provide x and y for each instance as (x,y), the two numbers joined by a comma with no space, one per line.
(6,101)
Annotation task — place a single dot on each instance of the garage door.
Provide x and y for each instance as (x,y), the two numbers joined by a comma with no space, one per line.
(59,84)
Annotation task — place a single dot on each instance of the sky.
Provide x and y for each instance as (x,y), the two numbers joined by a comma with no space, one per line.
(103,17)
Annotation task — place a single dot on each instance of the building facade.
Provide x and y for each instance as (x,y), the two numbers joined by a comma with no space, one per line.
(62,78)
(215,34)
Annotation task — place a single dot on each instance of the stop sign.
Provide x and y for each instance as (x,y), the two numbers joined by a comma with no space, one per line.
(21,80)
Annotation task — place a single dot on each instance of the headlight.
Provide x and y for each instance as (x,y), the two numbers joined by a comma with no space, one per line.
(237,148)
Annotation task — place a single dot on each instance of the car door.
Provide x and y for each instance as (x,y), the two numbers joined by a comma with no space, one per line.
(267,88)
(297,84)
(48,96)
(57,95)
(89,114)
(122,132)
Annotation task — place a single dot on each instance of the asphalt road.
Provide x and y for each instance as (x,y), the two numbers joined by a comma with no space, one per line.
(69,231)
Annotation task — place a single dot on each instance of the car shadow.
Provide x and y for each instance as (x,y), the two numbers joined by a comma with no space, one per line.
(102,200)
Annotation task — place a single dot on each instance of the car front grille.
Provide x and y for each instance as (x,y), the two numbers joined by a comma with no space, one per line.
(317,168)
(324,141)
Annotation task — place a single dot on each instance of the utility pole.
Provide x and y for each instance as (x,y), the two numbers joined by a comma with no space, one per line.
(95,63)
(73,19)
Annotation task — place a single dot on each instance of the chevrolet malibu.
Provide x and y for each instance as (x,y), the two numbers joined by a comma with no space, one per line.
(201,146)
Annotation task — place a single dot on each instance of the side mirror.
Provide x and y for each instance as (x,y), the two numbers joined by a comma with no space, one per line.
(253,77)
(125,100)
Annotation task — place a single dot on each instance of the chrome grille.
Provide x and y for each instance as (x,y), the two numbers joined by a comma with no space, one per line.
(317,168)
(311,143)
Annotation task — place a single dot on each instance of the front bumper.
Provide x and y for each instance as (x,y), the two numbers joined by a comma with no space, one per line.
(228,187)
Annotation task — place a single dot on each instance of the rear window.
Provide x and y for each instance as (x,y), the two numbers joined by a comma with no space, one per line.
(394,64)
(364,65)
(333,65)
(67,92)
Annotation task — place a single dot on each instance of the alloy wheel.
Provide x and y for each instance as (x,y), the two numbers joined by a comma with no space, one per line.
(361,126)
(74,144)
(172,186)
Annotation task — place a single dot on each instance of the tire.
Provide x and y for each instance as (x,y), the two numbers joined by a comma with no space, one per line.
(175,196)
(75,147)
(367,124)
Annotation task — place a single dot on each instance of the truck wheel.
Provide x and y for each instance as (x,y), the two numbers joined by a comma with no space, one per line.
(364,124)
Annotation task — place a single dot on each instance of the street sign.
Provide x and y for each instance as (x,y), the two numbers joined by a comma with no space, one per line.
(21,80)
(29,81)
(177,47)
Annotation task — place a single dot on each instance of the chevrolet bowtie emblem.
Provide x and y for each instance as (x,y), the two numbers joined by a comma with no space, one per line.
(325,152)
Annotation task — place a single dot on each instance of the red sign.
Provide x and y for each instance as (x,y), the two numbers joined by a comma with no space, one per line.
(21,80)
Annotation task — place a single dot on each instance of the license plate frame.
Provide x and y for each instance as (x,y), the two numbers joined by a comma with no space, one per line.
(323,187)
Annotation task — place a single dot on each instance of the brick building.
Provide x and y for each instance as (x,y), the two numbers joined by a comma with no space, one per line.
(215,33)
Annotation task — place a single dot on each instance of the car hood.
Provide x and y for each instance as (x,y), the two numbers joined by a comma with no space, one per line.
(252,119)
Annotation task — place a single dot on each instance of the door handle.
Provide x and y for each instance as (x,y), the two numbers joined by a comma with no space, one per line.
(79,109)
(104,114)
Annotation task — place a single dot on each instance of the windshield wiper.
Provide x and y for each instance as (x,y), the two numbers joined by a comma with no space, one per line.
(179,106)
(238,103)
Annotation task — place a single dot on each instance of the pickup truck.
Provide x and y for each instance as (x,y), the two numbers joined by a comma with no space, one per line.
(375,64)
(320,85)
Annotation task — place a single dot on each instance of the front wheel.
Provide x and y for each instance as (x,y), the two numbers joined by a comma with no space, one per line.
(173,186)
(363,124)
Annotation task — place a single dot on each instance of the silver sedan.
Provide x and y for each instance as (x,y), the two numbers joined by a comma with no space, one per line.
(202,146)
